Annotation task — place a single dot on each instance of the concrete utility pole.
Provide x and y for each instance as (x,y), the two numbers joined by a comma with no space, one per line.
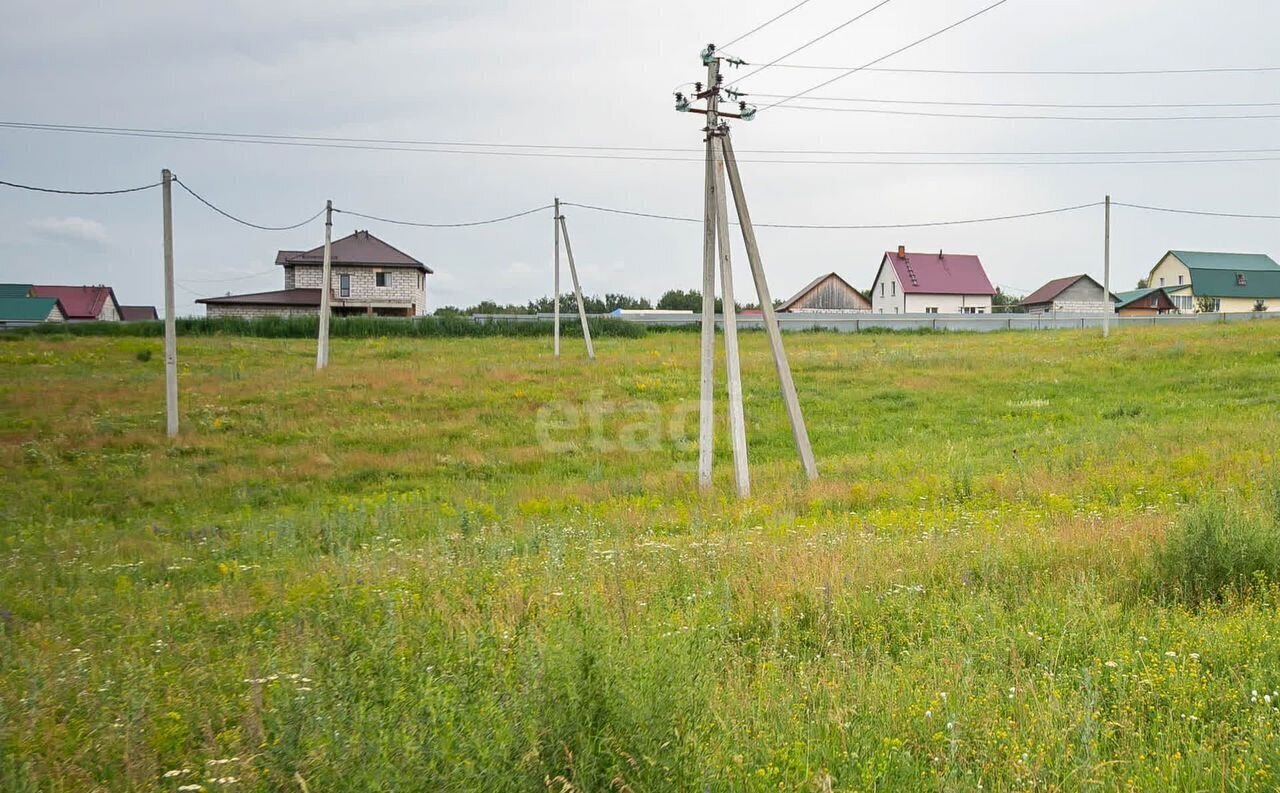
(716,230)
(556,222)
(707,384)
(1106,271)
(577,290)
(170,322)
(326,288)
(798,429)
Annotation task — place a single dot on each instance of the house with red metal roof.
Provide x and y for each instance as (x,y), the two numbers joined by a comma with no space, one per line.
(367,276)
(931,283)
(1076,294)
(83,303)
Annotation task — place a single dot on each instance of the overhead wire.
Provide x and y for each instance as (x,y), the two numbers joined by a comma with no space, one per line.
(1025,116)
(487,222)
(1203,213)
(845,227)
(954,103)
(811,42)
(1038,73)
(769,22)
(239,220)
(562,152)
(120,191)
(898,51)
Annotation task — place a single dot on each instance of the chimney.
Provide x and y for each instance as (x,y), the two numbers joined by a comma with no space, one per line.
(939,253)
(902,251)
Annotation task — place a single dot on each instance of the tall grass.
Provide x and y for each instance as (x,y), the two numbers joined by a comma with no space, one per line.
(1218,548)
(339,327)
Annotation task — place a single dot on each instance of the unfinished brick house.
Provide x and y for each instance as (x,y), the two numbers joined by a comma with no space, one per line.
(368,276)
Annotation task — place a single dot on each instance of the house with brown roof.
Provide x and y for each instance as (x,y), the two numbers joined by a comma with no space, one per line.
(1075,294)
(828,292)
(83,303)
(138,313)
(931,283)
(367,276)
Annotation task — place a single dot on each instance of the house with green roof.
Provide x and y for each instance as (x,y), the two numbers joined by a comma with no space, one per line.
(1226,282)
(19,311)
(16,290)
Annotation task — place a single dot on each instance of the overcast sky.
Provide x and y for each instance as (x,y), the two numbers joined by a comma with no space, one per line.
(579,73)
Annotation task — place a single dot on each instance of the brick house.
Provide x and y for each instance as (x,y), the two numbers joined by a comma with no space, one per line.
(1078,294)
(368,276)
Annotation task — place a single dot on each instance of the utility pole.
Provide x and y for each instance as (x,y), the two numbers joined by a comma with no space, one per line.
(707,396)
(1106,271)
(322,346)
(170,322)
(716,230)
(798,429)
(577,290)
(556,222)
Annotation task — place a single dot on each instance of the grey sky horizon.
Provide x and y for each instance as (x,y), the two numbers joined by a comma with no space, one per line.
(596,74)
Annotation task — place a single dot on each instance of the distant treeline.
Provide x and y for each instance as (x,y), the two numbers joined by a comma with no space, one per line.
(671,300)
(339,327)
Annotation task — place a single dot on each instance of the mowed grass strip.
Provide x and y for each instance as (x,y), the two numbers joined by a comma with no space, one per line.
(460,564)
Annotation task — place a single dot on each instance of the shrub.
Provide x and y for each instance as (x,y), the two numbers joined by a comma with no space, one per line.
(1215,547)
(143,356)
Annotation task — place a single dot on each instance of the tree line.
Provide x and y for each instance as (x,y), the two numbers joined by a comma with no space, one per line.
(671,300)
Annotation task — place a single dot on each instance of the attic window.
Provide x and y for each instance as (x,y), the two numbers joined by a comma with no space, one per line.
(1240,279)
(383,278)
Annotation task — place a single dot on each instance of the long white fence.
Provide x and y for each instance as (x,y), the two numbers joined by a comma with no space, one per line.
(855,323)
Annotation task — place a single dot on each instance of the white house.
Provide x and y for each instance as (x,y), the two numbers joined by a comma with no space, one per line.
(930,283)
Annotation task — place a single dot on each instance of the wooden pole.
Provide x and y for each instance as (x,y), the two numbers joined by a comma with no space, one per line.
(326,288)
(1106,272)
(737,419)
(556,222)
(706,396)
(577,290)
(170,321)
(798,429)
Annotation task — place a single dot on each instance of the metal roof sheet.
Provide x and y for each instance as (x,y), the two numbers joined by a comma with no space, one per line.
(26,309)
(940,273)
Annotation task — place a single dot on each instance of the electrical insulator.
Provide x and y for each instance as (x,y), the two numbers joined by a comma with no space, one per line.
(682,104)
(708,54)
(748,112)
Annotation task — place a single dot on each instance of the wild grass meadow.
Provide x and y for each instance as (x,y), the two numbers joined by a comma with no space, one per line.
(1034,561)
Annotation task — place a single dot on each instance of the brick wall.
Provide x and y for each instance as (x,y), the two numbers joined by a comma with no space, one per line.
(215,310)
(405,284)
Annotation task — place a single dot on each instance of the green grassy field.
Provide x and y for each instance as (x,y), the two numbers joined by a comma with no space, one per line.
(1034,561)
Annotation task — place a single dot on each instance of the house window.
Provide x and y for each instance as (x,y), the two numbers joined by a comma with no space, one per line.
(344,285)
(1155,301)
(382,279)
(1240,279)
(931,310)
(893,288)
(1180,280)
(1162,282)
(971,310)
(882,289)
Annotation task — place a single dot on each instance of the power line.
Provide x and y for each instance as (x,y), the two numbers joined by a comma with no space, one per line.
(445,225)
(1197,212)
(764,25)
(282,141)
(241,221)
(1112,106)
(811,42)
(120,191)
(234,136)
(849,227)
(1022,117)
(1041,73)
(902,49)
